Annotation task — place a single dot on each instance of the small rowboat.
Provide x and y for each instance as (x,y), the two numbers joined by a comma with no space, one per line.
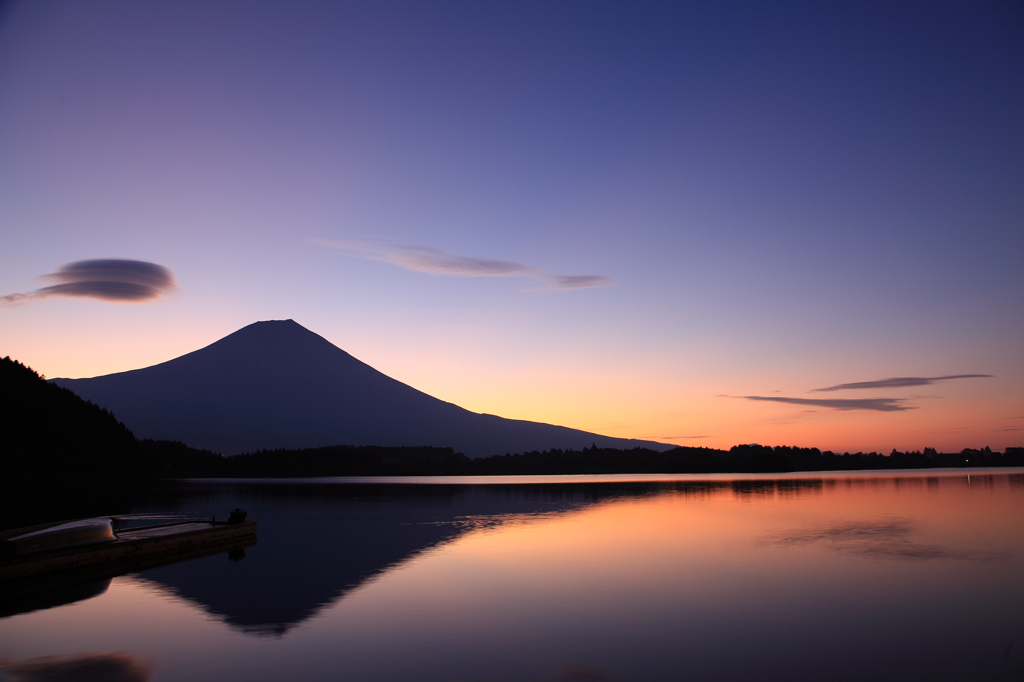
(59,534)
(88,545)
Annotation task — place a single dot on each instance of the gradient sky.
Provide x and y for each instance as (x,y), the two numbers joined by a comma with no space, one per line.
(629,218)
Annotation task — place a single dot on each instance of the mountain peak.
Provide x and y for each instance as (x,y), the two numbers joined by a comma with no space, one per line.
(282,339)
(275,323)
(265,327)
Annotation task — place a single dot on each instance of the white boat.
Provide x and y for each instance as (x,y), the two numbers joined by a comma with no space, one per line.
(56,534)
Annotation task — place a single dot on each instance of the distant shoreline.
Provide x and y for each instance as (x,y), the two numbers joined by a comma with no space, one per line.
(166,459)
(517,479)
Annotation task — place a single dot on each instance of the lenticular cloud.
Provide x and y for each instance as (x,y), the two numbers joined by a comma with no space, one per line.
(108,279)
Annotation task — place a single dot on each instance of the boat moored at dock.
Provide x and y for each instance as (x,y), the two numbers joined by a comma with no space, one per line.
(92,545)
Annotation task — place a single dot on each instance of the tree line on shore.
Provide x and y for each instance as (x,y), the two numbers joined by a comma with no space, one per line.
(177,460)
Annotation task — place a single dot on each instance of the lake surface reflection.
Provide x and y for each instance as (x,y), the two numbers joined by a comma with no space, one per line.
(823,576)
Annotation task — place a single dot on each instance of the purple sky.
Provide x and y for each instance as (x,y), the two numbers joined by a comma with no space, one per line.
(630,218)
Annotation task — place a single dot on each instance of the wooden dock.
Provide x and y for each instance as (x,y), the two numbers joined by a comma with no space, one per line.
(147,546)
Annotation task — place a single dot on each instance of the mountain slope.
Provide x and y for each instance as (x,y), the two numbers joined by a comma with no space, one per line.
(276,384)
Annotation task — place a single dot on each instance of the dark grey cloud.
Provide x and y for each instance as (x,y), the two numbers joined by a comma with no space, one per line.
(900,382)
(434,262)
(880,540)
(108,279)
(872,404)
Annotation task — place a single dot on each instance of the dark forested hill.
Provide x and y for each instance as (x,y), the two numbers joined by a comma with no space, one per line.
(55,446)
(48,428)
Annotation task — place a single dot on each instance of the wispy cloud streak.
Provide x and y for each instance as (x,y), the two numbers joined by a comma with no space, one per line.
(870,404)
(899,382)
(434,262)
(110,279)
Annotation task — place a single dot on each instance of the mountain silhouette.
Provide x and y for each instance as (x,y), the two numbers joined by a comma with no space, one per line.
(276,384)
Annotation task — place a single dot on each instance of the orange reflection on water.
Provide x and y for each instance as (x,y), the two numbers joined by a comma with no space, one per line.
(843,564)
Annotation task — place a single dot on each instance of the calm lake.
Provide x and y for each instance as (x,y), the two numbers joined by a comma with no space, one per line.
(839,576)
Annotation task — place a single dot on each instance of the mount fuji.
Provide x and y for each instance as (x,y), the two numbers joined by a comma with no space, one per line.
(276,384)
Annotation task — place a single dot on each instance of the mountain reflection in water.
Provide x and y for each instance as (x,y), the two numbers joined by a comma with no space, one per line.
(801,577)
(319,541)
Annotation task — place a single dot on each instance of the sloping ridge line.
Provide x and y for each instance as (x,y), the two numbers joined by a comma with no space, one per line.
(275,384)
